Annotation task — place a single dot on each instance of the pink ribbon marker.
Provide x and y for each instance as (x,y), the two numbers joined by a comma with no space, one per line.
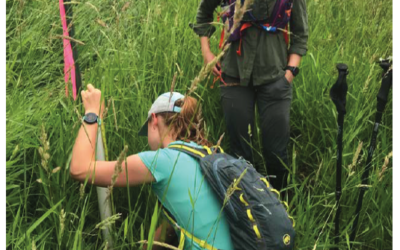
(69,63)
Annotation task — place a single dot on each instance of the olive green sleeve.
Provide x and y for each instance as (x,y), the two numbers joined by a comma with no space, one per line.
(205,17)
(299,28)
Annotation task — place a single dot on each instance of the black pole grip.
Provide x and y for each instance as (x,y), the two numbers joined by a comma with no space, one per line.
(338,91)
(387,80)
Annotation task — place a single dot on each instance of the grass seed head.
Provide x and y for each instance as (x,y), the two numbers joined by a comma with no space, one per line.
(118,165)
(81,191)
(363,186)
(109,192)
(93,7)
(62,222)
(14,153)
(106,109)
(126,5)
(233,187)
(385,166)
(355,157)
(249,130)
(44,165)
(219,142)
(33,244)
(240,10)
(101,23)
(115,114)
(43,151)
(46,156)
(173,85)
(108,221)
(56,170)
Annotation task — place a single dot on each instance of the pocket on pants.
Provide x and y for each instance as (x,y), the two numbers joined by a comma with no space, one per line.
(286,81)
(282,89)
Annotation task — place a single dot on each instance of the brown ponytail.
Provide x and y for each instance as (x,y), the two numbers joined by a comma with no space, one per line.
(187,125)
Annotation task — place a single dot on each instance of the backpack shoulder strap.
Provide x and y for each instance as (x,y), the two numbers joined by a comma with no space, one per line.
(197,152)
(192,151)
(184,233)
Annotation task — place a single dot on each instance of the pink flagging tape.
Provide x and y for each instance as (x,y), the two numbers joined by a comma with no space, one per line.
(69,63)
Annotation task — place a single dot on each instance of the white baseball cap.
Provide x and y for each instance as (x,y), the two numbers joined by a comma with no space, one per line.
(164,103)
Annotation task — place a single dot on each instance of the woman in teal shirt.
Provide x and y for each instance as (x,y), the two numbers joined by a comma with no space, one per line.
(175,177)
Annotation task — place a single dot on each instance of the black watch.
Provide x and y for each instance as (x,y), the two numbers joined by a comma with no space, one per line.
(295,70)
(91,118)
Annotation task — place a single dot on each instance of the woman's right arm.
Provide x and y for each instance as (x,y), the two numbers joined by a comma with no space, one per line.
(207,54)
(99,173)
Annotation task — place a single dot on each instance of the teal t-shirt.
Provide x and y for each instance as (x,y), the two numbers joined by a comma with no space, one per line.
(182,189)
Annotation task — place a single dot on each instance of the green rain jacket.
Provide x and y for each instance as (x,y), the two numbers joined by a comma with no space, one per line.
(263,55)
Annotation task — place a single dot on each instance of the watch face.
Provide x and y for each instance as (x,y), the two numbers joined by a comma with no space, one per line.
(295,71)
(90,118)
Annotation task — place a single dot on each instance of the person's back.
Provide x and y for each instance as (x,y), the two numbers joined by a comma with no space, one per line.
(183,191)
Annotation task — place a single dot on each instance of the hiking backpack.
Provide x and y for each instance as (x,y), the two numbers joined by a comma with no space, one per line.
(278,20)
(257,219)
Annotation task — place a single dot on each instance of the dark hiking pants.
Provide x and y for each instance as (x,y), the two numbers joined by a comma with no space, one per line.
(273,102)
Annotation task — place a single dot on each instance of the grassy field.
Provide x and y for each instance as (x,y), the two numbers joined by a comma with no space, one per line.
(131,51)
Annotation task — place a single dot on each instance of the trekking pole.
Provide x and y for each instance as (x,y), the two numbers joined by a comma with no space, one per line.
(338,94)
(382,100)
(102,193)
(71,72)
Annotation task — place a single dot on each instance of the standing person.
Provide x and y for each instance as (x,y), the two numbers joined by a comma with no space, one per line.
(172,119)
(258,69)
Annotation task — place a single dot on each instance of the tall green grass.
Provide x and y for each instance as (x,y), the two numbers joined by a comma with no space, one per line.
(133,58)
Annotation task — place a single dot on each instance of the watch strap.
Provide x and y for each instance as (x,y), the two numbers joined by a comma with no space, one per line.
(294,70)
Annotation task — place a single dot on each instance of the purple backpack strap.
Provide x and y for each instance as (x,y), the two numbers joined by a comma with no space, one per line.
(280,16)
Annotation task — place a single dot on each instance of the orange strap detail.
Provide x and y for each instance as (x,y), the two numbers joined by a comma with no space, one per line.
(286,35)
(244,26)
(216,78)
(239,51)
(222,38)
(288,12)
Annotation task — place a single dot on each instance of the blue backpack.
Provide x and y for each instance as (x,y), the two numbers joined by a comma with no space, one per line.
(257,218)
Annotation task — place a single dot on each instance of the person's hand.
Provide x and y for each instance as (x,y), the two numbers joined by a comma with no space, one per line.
(289,76)
(91,100)
(208,57)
